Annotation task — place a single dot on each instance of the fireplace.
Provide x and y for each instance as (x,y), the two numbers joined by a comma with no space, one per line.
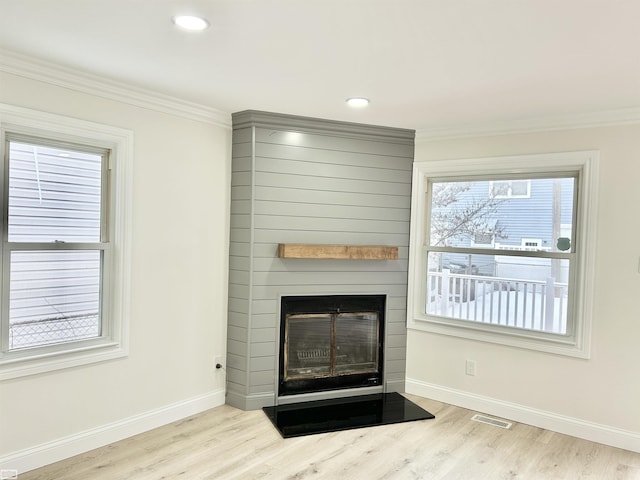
(330,342)
(307,181)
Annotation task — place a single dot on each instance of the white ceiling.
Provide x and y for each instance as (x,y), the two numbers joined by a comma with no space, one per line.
(424,64)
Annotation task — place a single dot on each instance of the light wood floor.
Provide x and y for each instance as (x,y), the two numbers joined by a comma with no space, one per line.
(226,443)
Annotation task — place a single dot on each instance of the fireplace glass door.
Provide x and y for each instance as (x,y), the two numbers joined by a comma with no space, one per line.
(356,343)
(331,344)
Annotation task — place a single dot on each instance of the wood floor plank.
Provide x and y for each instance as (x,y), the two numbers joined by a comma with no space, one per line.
(229,444)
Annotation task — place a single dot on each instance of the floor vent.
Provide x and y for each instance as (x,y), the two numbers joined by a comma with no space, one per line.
(496,422)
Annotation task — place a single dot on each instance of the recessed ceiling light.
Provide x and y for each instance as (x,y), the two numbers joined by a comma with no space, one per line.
(189,22)
(357,102)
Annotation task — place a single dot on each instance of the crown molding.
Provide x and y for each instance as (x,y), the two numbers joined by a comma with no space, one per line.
(602,118)
(44,71)
(256,118)
(48,72)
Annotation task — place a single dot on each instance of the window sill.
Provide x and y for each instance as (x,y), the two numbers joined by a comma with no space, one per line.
(530,340)
(16,367)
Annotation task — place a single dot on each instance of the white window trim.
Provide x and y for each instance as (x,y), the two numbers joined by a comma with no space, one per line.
(576,345)
(25,121)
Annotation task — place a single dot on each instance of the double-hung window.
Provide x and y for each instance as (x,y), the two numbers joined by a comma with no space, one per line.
(56,243)
(63,265)
(529,286)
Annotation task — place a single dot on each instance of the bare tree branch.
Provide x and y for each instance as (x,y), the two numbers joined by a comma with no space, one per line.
(451,218)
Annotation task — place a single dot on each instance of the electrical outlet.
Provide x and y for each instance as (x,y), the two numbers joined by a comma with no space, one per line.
(8,474)
(470,367)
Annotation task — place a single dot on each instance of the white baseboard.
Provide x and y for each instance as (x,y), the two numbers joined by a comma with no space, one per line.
(54,451)
(575,427)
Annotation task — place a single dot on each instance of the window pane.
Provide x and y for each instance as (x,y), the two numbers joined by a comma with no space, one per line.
(464,211)
(519,188)
(54,297)
(517,292)
(54,194)
(501,189)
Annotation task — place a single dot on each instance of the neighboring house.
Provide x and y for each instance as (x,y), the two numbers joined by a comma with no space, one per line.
(526,217)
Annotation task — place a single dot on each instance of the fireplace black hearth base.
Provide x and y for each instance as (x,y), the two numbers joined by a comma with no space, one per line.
(322,416)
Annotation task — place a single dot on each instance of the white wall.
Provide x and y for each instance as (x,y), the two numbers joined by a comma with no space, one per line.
(178,317)
(596,398)
(180,234)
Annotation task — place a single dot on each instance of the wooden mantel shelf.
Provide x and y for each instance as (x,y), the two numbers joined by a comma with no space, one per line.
(345,252)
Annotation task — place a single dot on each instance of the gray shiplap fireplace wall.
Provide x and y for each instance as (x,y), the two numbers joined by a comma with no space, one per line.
(304,180)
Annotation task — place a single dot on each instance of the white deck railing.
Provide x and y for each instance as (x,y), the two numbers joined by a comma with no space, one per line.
(511,302)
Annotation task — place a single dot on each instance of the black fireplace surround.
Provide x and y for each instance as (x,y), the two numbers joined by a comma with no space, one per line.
(330,342)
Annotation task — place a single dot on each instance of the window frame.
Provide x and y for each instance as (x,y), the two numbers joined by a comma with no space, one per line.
(21,124)
(103,245)
(584,164)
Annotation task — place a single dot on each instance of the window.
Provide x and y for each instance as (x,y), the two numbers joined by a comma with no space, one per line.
(509,189)
(526,284)
(64,255)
